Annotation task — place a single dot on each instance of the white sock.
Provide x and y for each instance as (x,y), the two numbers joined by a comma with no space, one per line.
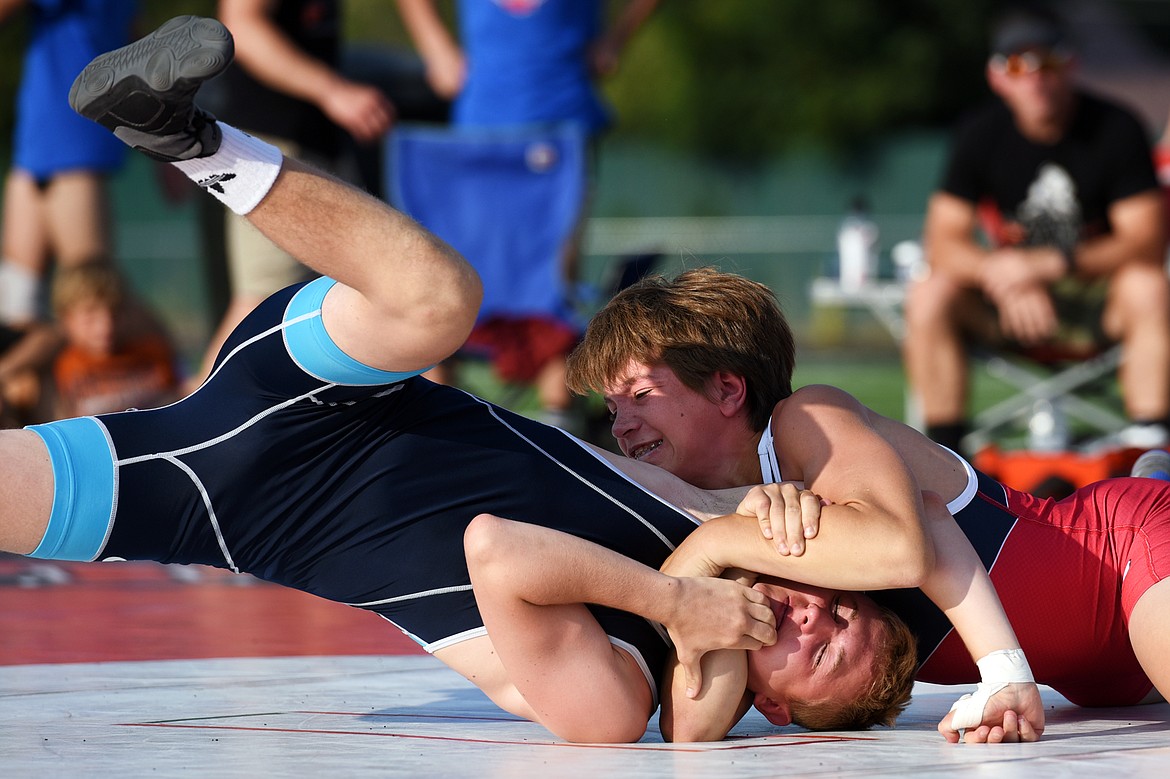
(241,171)
(19,290)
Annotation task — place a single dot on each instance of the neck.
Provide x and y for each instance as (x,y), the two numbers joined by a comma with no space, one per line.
(699,503)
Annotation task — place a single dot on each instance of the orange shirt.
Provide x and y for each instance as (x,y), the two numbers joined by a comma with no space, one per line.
(141,374)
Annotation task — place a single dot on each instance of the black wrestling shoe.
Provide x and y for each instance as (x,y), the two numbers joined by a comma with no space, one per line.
(144,92)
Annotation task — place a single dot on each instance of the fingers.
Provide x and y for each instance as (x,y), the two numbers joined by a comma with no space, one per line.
(693,673)
(1015,729)
(763,629)
(787,514)
(1027,732)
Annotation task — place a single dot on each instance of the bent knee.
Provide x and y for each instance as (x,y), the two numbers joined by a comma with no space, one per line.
(614,728)
(482,539)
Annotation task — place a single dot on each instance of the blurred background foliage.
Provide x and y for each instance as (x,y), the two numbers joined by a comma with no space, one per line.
(733,78)
(745,79)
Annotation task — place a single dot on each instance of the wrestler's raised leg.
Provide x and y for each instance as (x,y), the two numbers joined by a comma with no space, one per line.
(396,278)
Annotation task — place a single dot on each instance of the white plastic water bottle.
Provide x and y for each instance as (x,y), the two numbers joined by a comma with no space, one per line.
(1048,427)
(857,247)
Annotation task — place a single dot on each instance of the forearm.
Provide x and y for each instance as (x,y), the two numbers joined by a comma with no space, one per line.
(431,37)
(851,551)
(719,705)
(9,7)
(271,57)
(631,18)
(547,567)
(960,587)
(34,351)
(1138,235)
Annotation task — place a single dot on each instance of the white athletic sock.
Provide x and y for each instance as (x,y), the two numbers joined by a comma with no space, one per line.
(241,171)
(19,291)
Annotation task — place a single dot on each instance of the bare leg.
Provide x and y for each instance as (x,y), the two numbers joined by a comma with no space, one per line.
(1149,632)
(934,354)
(25,238)
(26,490)
(1138,314)
(77,218)
(478,662)
(557,655)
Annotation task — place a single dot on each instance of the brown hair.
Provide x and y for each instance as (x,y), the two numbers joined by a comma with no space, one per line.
(94,280)
(702,321)
(895,662)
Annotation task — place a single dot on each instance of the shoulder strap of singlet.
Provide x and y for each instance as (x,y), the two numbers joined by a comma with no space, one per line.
(766,449)
(960,501)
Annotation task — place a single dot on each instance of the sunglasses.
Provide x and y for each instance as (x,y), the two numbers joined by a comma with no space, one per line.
(1028,62)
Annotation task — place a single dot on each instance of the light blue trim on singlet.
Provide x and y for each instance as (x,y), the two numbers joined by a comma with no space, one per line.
(83,489)
(315,352)
(770,469)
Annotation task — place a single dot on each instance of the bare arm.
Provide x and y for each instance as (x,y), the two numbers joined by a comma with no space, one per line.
(546,567)
(446,67)
(713,712)
(960,587)
(607,51)
(273,59)
(1138,235)
(531,583)
(10,7)
(397,279)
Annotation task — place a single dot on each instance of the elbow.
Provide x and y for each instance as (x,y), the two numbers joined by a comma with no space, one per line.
(681,734)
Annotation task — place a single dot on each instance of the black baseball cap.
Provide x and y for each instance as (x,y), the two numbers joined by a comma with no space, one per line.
(1025,29)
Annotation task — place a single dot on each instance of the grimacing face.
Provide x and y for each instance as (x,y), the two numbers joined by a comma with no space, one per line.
(658,419)
(826,641)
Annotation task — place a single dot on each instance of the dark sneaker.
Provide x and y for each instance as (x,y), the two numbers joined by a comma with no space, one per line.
(1154,464)
(144,92)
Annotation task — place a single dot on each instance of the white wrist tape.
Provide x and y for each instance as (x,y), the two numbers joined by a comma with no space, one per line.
(996,670)
(241,171)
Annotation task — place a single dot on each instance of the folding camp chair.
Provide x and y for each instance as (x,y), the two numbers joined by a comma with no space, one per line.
(509,200)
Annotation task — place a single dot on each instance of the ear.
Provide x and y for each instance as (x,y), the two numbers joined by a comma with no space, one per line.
(774,711)
(728,391)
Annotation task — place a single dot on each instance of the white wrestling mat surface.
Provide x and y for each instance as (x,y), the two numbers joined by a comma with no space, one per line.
(364,716)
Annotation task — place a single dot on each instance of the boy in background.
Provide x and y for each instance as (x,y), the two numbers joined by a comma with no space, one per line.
(115,356)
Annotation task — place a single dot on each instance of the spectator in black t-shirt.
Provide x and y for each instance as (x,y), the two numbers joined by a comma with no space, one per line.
(1061,183)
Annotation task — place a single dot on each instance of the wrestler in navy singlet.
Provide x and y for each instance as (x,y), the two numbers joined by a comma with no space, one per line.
(359,489)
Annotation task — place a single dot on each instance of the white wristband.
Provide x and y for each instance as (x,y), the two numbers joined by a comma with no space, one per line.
(1004,666)
(241,171)
(996,670)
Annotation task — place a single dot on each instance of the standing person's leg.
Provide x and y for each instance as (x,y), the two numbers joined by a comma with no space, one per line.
(24,248)
(77,217)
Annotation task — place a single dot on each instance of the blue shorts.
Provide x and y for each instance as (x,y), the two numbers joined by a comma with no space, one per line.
(300,466)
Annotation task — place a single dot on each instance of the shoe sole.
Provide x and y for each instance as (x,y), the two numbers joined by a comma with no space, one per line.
(179,55)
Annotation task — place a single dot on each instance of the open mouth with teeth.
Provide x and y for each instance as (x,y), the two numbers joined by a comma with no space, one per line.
(640,451)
